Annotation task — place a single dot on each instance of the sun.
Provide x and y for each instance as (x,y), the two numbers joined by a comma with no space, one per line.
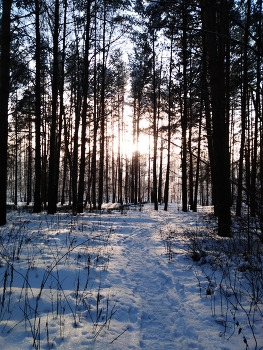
(124,141)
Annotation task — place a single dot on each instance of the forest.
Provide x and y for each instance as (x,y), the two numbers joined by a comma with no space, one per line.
(132,101)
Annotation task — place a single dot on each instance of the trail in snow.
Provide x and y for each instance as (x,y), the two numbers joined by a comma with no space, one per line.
(136,299)
(158,303)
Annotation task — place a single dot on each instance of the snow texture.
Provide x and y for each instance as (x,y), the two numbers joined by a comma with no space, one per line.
(110,281)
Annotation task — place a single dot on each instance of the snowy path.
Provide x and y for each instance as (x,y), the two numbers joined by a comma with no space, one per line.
(157,301)
(118,291)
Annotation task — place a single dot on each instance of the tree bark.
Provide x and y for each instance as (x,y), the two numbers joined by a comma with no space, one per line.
(102,113)
(207,109)
(52,157)
(198,160)
(167,176)
(4,93)
(155,132)
(254,201)
(61,80)
(215,21)
(184,115)
(84,113)
(95,123)
(29,161)
(160,182)
(243,113)
(37,193)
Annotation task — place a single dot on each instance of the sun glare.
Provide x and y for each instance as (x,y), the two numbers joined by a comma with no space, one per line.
(128,146)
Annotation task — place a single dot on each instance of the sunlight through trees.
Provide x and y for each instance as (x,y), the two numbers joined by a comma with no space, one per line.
(130,102)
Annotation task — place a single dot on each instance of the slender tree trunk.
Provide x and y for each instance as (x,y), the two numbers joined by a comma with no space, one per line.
(61,79)
(102,113)
(120,165)
(84,113)
(184,114)
(29,162)
(254,201)
(106,168)
(160,187)
(126,187)
(88,191)
(52,157)
(133,166)
(191,182)
(198,160)
(64,179)
(67,163)
(149,171)
(155,132)
(114,172)
(37,194)
(75,162)
(95,123)
(93,163)
(160,180)
(137,154)
(167,177)
(16,158)
(243,113)
(137,113)
(44,165)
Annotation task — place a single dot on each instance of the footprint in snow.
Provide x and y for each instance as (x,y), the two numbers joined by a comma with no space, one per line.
(180,289)
(133,314)
(122,272)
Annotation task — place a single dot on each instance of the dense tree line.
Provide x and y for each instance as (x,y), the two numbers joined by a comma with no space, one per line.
(191,85)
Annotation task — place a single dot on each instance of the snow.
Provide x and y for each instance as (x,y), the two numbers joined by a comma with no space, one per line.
(116,280)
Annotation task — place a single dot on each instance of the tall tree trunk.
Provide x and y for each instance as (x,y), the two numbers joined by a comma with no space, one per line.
(67,163)
(75,162)
(184,113)
(120,136)
(4,93)
(16,157)
(84,113)
(191,182)
(243,113)
(149,193)
(155,131)
(64,179)
(208,121)
(106,168)
(61,66)
(37,193)
(137,113)
(160,187)
(114,172)
(95,122)
(52,156)
(102,113)
(137,154)
(215,21)
(254,201)
(133,159)
(167,177)
(94,163)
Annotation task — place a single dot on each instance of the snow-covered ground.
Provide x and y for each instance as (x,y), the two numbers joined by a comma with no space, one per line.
(119,281)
